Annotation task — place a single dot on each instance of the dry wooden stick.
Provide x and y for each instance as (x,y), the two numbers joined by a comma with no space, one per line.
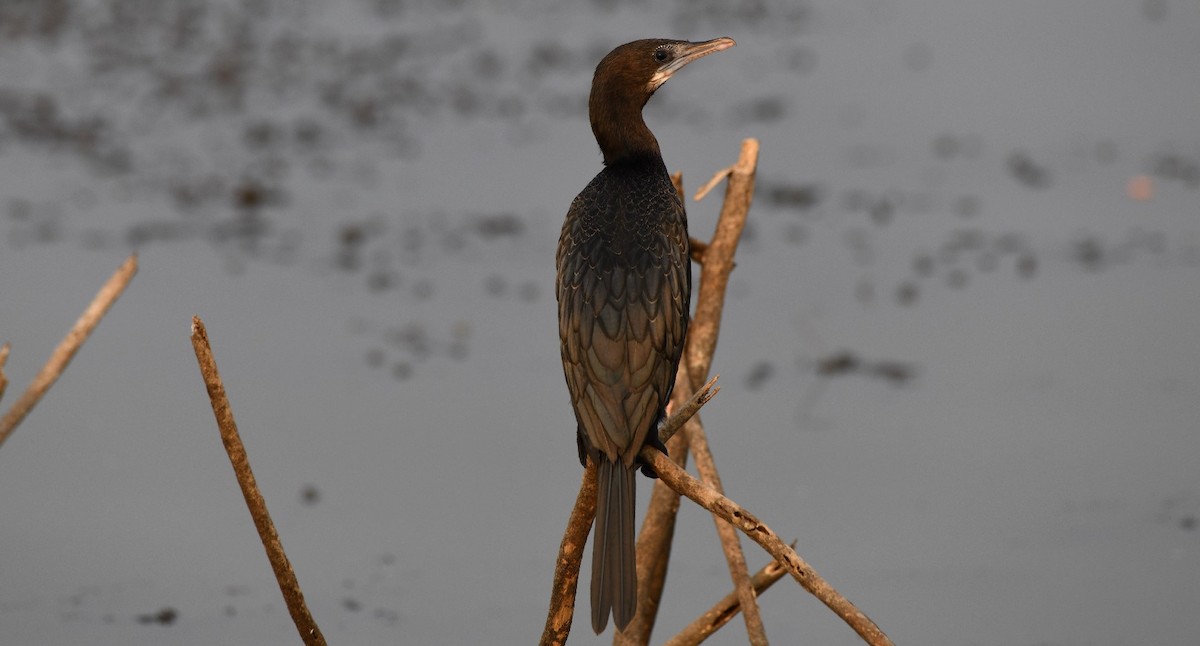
(570,556)
(67,348)
(712,183)
(748,523)
(720,614)
(702,342)
(718,263)
(288,585)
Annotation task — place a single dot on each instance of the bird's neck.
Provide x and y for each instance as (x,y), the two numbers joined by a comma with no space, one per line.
(620,129)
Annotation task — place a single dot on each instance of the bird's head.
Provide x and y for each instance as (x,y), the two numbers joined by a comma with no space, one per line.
(627,77)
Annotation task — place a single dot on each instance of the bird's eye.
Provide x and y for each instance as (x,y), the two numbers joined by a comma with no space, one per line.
(661,55)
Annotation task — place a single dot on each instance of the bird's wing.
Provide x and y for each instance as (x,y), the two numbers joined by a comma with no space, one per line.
(625,326)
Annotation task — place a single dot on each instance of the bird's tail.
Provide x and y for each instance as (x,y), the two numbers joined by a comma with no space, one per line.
(614,575)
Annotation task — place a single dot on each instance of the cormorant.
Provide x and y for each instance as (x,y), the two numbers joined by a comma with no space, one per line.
(624,291)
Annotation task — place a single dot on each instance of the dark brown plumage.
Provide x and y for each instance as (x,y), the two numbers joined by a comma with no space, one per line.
(624,289)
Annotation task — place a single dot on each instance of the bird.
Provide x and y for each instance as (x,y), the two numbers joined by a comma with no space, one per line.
(623,288)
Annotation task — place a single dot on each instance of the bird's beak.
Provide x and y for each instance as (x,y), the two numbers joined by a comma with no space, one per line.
(687,53)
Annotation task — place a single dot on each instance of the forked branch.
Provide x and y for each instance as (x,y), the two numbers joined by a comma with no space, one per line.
(570,557)
(724,610)
(751,526)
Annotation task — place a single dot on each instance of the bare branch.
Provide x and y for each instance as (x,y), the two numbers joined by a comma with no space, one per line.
(749,524)
(712,183)
(715,268)
(288,585)
(67,348)
(718,263)
(727,608)
(570,556)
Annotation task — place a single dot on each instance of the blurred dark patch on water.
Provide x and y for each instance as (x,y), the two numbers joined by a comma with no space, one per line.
(799,197)
(37,19)
(490,227)
(36,119)
(1027,171)
(1176,167)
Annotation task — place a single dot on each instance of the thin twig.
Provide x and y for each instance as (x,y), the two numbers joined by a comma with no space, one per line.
(724,610)
(749,524)
(67,348)
(689,408)
(712,183)
(570,556)
(284,574)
